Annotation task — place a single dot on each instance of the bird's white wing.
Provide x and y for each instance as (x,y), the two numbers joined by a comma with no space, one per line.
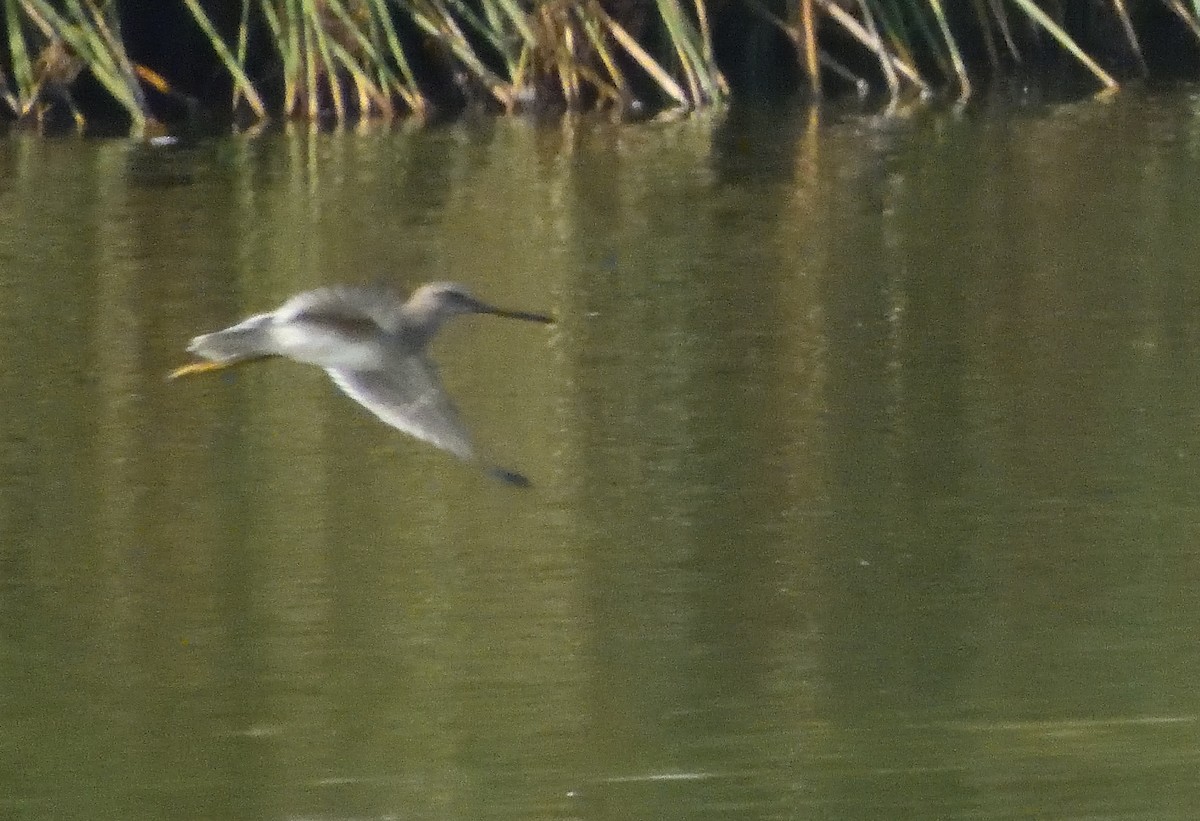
(408,395)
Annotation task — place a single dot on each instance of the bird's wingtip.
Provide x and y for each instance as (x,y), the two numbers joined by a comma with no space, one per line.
(509,477)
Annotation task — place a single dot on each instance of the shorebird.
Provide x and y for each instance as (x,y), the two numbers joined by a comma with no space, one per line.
(373,345)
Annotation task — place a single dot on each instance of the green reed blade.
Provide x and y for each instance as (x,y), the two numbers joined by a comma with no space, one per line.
(308,55)
(643,59)
(616,85)
(110,33)
(701,45)
(375,59)
(368,90)
(283,35)
(1040,17)
(89,45)
(242,44)
(22,67)
(919,20)
(960,68)
(705,32)
(892,23)
(566,69)
(447,32)
(874,43)
(680,42)
(294,47)
(877,45)
(703,76)
(494,37)
(408,90)
(231,65)
(323,64)
(518,17)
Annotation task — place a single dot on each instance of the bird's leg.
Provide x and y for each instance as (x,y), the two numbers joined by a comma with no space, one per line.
(197,367)
(206,367)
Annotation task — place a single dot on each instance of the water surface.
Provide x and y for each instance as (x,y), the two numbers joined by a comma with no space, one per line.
(865,457)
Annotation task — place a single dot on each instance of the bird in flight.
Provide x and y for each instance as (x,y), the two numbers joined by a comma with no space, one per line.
(373,345)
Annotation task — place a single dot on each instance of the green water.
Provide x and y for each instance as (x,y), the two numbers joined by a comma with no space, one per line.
(866,458)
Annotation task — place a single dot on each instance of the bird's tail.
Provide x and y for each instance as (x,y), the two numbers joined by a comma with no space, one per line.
(248,339)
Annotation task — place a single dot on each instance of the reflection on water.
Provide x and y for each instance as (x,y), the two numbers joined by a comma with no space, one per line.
(864,454)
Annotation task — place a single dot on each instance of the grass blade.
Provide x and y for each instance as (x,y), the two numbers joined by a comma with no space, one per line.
(643,59)
(960,69)
(1040,17)
(22,67)
(240,79)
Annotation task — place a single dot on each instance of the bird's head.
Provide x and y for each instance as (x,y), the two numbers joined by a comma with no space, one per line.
(448,298)
(441,300)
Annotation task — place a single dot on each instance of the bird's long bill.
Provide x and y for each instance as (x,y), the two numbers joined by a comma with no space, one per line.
(525,315)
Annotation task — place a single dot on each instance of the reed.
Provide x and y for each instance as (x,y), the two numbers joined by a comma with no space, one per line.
(352,60)
(50,44)
(899,33)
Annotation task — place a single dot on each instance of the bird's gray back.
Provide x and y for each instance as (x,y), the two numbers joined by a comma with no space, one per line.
(377,304)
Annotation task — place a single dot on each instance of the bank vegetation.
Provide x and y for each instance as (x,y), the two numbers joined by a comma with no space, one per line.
(339,61)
